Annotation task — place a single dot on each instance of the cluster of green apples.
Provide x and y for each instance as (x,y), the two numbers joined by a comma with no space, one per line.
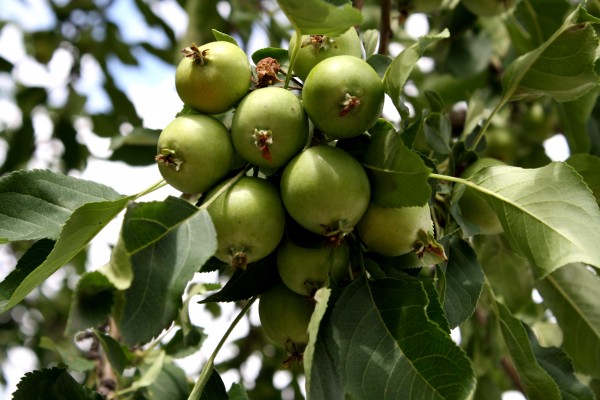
(288,136)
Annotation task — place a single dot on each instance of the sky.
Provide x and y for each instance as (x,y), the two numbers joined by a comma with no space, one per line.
(151,89)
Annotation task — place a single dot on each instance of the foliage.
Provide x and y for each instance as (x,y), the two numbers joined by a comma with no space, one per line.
(497,86)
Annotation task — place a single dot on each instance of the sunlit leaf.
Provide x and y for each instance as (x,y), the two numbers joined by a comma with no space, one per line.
(398,72)
(572,294)
(78,230)
(165,243)
(318,17)
(548,214)
(223,37)
(562,67)
(35,204)
(321,298)
(398,175)
(389,348)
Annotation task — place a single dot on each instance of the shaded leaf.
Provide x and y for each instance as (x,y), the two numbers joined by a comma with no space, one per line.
(237,392)
(32,258)
(114,352)
(464,281)
(574,116)
(171,383)
(78,230)
(398,175)
(215,388)
(572,294)
(587,166)
(389,348)
(52,384)
(548,214)
(509,274)
(164,243)
(91,303)
(558,365)
(69,354)
(536,381)
(244,284)
(437,129)
(318,17)
(35,204)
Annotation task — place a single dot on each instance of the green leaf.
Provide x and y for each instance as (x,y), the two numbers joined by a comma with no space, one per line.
(587,166)
(237,392)
(137,148)
(69,354)
(548,214)
(114,352)
(32,258)
(558,365)
(571,293)
(223,37)
(165,243)
(171,383)
(464,281)
(215,388)
(281,55)
(78,230)
(509,274)
(244,284)
(437,129)
(536,381)
(91,303)
(150,371)
(370,39)
(562,67)
(321,298)
(398,175)
(318,17)
(184,343)
(574,116)
(52,384)
(35,204)
(398,72)
(380,63)
(389,348)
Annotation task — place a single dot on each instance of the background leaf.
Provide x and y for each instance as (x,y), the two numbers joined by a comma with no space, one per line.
(536,381)
(35,204)
(382,330)
(572,294)
(548,214)
(178,238)
(464,281)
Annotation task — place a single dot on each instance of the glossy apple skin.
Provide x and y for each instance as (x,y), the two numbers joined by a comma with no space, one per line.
(392,231)
(203,147)
(217,83)
(325,190)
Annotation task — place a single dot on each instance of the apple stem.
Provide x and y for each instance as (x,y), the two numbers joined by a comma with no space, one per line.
(193,52)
